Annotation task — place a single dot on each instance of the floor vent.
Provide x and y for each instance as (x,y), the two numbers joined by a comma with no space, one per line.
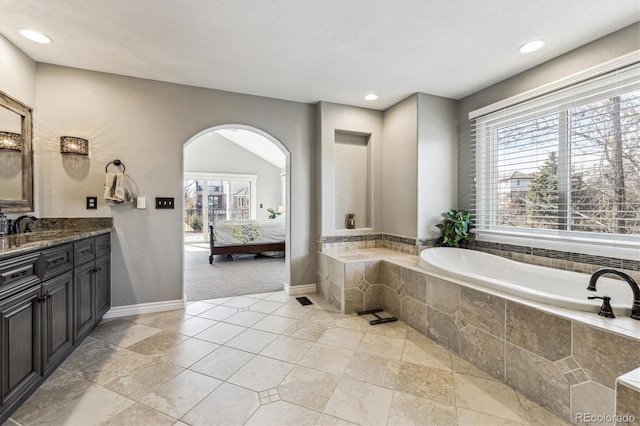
(304,301)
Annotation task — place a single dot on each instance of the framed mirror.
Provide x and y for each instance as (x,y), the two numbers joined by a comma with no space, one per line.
(16,155)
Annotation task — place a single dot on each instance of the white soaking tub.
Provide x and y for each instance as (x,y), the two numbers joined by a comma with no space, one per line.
(551,286)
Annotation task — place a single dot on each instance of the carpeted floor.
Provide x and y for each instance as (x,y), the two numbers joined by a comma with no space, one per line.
(227,277)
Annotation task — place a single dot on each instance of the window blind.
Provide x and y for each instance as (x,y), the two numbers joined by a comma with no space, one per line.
(563,164)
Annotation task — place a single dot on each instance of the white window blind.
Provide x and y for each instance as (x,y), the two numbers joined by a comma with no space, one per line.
(565,165)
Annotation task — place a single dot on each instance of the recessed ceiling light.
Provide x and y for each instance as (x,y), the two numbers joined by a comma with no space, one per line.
(34,36)
(371,96)
(531,46)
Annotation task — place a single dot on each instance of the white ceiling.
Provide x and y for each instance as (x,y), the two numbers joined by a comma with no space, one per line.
(309,51)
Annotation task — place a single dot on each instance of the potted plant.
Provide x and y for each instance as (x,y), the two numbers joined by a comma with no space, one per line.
(455,229)
(273,214)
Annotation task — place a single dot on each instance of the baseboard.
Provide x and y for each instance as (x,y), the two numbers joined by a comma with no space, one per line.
(299,289)
(144,308)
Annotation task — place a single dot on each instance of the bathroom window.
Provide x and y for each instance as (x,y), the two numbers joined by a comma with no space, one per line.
(564,166)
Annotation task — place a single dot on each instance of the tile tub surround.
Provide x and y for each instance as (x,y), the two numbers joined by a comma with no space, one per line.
(321,368)
(564,360)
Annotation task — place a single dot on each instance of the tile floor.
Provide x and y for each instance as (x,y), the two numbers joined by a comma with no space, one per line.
(266,360)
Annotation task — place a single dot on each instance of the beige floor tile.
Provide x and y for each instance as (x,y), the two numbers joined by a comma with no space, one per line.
(282,413)
(307,387)
(430,355)
(426,382)
(124,334)
(274,324)
(163,319)
(227,405)
(245,318)
(251,340)
(158,343)
(376,344)
(412,410)
(279,296)
(373,369)
(305,330)
(88,353)
(144,379)
(50,397)
(220,333)
(354,323)
(313,314)
(327,358)
(191,326)
(139,415)
(327,420)
(180,394)
(489,397)
(115,365)
(292,310)
(287,349)
(222,363)
(240,302)
(360,403)
(196,308)
(94,406)
(391,329)
(218,301)
(474,418)
(538,415)
(462,366)
(260,295)
(11,422)
(265,306)
(218,313)
(342,337)
(187,353)
(261,373)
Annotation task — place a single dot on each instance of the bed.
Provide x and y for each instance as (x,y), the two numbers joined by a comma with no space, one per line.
(246,236)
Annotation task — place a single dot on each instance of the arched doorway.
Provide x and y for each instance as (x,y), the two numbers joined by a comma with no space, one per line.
(234,173)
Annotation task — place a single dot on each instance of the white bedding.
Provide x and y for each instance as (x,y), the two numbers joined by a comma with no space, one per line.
(244,232)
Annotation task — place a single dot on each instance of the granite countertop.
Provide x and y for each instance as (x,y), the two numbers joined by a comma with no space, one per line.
(53,232)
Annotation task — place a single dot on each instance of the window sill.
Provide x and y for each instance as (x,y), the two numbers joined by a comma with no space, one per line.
(607,248)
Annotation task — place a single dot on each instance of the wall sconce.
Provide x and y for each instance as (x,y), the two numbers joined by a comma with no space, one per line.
(73,145)
(11,141)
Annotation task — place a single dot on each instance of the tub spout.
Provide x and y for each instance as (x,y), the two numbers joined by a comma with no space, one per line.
(635,308)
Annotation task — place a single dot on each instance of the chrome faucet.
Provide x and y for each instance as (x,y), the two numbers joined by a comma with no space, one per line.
(635,308)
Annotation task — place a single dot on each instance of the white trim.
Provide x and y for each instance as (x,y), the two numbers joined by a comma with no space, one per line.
(605,67)
(144,308)
(299,289)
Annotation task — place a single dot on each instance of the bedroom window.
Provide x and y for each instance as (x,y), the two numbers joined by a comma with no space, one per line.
(563,167)
(210,198)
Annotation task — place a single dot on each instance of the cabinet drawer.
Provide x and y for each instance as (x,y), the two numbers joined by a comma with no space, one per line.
(57,260)
(19,273)
(84,251)
(103,245)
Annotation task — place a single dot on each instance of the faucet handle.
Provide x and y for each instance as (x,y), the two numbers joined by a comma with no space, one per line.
(605,310)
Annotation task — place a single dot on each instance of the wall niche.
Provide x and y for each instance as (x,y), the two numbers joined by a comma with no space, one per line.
(352,160)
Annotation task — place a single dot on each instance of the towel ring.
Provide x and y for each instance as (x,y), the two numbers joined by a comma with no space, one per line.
(116,163)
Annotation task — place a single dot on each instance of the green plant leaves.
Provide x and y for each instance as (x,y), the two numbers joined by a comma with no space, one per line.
(455,228)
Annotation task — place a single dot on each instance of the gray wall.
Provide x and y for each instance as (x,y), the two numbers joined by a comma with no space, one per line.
(145,124)
(437,162)
(212,153)
(602,50)
(400,168)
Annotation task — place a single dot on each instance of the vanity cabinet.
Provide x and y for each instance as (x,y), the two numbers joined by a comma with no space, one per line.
(50,300)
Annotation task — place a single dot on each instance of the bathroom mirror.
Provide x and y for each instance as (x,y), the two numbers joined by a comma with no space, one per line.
(16,155)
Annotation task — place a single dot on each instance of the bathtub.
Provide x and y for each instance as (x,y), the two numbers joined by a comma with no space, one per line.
(551,286)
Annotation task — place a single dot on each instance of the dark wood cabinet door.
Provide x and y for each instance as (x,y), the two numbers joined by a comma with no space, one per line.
(103,285)
(57,316)
(20,335)
(84,307)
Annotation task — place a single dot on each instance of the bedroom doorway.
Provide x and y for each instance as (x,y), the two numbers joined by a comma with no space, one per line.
(235,181)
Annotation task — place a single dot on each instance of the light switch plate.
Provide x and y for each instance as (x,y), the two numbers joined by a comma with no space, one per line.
(165,203)
(141,203)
